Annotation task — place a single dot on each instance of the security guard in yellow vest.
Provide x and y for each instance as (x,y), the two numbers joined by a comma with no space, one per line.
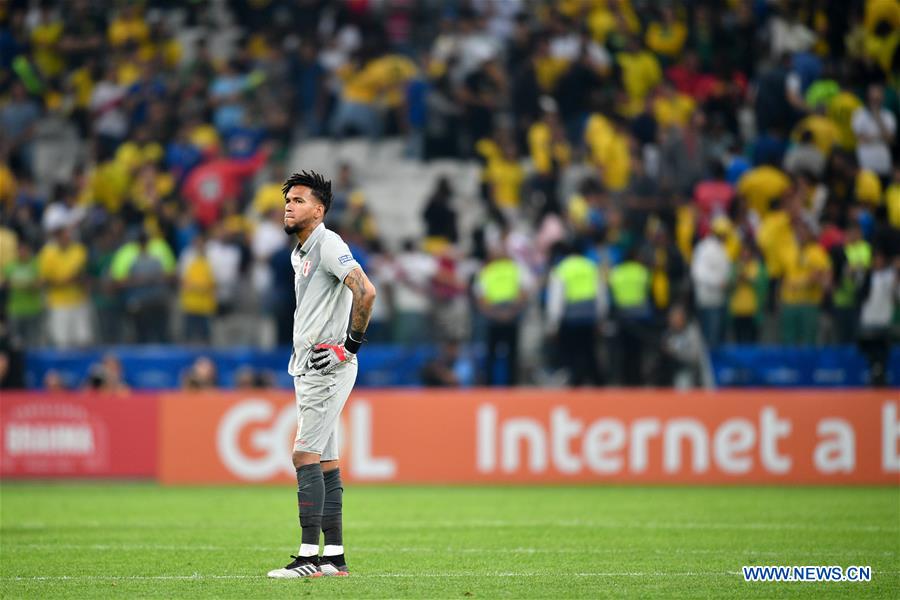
(501,290)
(576,301)
(852,261)
(629,284)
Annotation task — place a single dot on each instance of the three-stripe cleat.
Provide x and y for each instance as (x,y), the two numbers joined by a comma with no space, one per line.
(301,566)
(333,566)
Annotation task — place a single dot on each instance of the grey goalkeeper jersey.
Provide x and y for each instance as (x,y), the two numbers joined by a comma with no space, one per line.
(323,301)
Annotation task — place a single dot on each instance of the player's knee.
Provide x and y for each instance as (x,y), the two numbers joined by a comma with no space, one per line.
(305,458)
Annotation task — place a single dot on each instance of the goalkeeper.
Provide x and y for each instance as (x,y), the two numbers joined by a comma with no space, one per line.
(332,291)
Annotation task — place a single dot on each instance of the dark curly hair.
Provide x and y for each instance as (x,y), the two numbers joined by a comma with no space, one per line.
(318,185)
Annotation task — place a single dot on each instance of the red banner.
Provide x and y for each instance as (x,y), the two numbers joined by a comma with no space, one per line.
(78,435)
(540,436)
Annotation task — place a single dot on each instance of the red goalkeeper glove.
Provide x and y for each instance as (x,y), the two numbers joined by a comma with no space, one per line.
(326,356)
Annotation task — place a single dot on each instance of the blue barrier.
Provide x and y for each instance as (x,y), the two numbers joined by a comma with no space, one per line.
(162,367)
(774,366)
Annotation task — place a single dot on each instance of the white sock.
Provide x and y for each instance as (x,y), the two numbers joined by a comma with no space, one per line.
(308,550)
(333,550)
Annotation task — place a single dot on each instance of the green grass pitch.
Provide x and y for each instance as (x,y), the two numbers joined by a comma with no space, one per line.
(89,540)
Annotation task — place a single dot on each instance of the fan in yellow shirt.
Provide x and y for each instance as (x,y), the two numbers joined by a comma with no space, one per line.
(881,11)
(731,238)
(608,146)
(7,185)
(547,142)
(108,184)
(610,17)
(868,188)
(9,249)
(572,9)
(151,186)
(744,301)
(489,151)
(258,47)
(129,71)
(685,228)
(806,278)
(640,74)
(671,107)
(168,50)
(550,151)
(667,36)
(616,164)
(504,177)
(892,199)
(547,68)
(357,84)
(45,38)
(205,137)
(268,197)
(840,111)
(882,31)
(598,131)
(379,80)
(748,296)
(197,285)
(578,213)
(82,82)
(62,265)
(394,71)
(775,239)
(128,26)
(825,133)
(601,22)
(762,185)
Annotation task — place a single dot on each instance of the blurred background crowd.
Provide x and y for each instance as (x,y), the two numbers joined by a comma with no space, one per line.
(649,180)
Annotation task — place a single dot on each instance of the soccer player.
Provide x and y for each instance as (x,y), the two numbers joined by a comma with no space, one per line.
(332,293)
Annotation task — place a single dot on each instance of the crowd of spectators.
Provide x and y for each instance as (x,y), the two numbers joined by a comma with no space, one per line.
(662,176)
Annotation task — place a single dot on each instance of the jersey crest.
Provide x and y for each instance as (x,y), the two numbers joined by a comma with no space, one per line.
(307,264)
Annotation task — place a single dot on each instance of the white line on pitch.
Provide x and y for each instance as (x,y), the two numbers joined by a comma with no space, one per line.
(467,574)
(197,576)
(471,523)
(125,547)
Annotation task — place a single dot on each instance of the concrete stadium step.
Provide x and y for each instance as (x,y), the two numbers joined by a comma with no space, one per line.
(396,188)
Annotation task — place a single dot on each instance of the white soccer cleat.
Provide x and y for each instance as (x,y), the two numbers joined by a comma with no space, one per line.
(301,566)
(333,566)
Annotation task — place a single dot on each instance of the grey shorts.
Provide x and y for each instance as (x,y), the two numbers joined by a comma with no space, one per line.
(320,400)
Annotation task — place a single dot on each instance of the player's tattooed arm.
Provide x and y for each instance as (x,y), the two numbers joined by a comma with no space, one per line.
(363,299)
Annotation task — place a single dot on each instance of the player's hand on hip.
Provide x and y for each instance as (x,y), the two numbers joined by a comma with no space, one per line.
(326,356)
